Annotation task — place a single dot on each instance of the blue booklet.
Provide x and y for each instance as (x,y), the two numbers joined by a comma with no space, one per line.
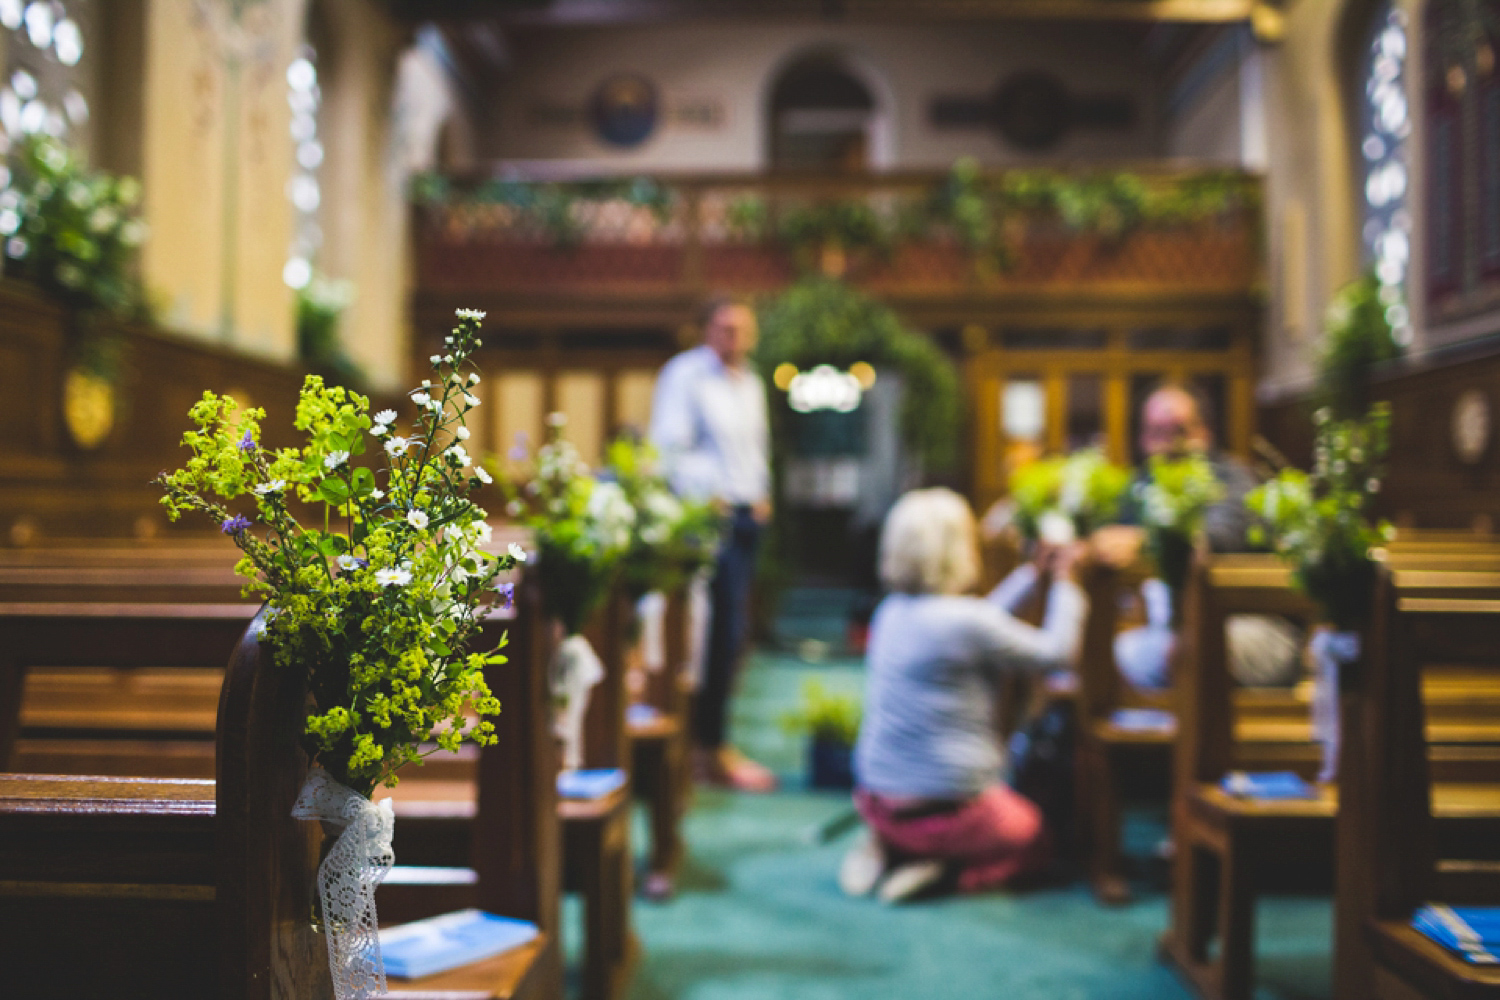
(437,944)
(589,783)
(641,715)
(1472,931)
(1267,785)
(1143,719)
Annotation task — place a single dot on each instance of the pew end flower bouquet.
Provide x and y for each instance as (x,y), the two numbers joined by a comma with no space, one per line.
(582,528)
(375,574)
(672,538)
(1173,502)
(1063,498)
(1319,522)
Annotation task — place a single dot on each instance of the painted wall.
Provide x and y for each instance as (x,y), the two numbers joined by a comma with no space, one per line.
(535,111)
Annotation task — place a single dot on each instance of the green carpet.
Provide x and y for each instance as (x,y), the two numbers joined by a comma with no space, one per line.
(759,914)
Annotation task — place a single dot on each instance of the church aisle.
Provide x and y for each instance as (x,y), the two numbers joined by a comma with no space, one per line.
(759,914)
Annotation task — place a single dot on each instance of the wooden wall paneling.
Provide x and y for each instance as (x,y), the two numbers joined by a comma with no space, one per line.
(518,408)
(581,398)
(634,388)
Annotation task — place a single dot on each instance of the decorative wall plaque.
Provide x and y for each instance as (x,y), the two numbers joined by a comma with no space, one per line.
(88,408)
(624,109)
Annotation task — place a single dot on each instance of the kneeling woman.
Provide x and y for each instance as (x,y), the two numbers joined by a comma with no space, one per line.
(930,755)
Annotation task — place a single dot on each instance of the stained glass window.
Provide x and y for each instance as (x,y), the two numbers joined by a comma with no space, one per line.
(1386,128)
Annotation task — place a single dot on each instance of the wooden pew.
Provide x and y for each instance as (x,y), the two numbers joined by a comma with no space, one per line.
(1226,846)
(436,817)
(659,749)
(515,873)
(138,888)
(1392,855)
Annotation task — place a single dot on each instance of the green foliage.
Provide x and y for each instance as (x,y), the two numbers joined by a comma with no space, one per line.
(671,539)
(1320,523)
(1173,503)
(1357,338)
(582,527)
(379,605)
(552,209)
(823,321)
(1084,488)
(843,223)
(825,714)
(72,231)
(320,308)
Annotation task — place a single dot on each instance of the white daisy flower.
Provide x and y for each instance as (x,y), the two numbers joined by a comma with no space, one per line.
(435,358)
(392,577)
(471,399)
(462,433)
(420,398)
(417,519)
(274,486)
(482,474)
(482,531)
(436,406)
(347,563)
(473,378)
(396,445)
(557,419)
(380,430)
(458,454)
(516,552)
(473,314)
(377,494)
(385,417)
(334,459)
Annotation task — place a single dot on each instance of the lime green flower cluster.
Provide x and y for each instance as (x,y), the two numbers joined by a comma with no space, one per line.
(1320,522)
(582,526)
(72,232)
(672,538)
(1173,502)
(825,714)
(378,604)
(1079,493)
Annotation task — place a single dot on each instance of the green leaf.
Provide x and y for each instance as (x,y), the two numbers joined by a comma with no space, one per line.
(334,491)
(364,482)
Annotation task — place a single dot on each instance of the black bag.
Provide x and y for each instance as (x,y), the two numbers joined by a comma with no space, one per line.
(1041,767)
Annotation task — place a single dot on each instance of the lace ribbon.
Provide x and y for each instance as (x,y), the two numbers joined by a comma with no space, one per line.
(357,863)
(575,669)
(1329,649)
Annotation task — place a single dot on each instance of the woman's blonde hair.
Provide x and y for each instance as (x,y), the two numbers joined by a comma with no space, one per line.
(929,544)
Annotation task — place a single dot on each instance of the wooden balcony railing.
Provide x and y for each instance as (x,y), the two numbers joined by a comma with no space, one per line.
(899,235)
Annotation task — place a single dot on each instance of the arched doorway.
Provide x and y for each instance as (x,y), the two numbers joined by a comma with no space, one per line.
(825,117)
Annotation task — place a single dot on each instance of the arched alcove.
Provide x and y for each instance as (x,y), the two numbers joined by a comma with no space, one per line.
(826,111)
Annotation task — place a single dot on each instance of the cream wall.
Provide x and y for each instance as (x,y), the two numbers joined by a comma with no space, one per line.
(364,210)
(1311,224)
(735,64)
(216,272)
(216,157)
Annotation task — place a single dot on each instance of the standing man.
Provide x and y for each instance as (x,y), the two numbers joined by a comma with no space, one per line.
(708,420)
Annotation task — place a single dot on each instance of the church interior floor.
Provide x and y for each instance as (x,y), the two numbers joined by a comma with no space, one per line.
(759,914)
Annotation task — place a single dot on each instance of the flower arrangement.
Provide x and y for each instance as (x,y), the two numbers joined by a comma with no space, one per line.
(1319,522)
(825,714)
(671,539)
(1359,337)
(1173,501)
(72,231)
(1062,498)
(379,602)
(582,526)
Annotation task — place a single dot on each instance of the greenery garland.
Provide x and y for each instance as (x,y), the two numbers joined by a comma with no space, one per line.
(824,321)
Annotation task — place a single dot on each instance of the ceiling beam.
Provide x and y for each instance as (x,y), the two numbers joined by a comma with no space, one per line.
(566,12)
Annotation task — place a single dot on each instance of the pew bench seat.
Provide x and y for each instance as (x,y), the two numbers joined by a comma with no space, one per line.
(518,974)
(1415,966)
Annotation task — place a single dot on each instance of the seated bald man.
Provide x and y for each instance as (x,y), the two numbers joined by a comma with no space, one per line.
(1263,650)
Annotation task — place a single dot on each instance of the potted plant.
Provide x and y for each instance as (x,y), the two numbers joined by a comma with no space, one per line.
(830,722)
(376,605)
(581,527)
(1319,523)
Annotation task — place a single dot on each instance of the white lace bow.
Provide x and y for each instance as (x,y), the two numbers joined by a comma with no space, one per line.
(347,878)
(1329,649)
(575,669)
(652,612)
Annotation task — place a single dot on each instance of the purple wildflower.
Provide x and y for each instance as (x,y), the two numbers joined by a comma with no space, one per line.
(247,443)
(236,525)
(518,450)
(507,592)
